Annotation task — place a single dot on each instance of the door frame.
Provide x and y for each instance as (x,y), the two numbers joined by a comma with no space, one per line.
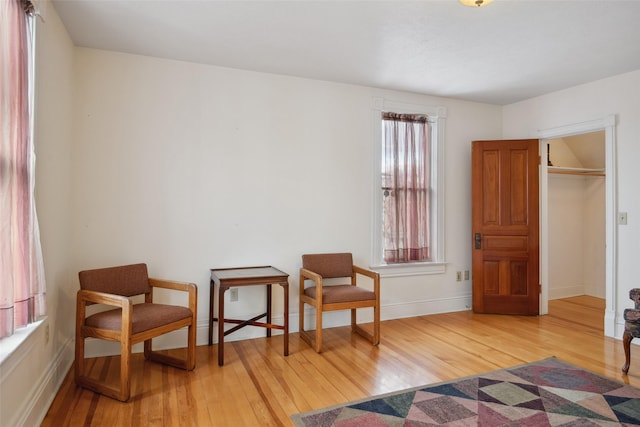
(606,124)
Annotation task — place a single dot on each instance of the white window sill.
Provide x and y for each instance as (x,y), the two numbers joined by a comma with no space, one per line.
(11,345)
(410,269)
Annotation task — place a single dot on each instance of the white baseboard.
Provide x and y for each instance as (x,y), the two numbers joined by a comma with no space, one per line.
(613,327)
(426,307)
(37,403)
(566,292)
(595,290)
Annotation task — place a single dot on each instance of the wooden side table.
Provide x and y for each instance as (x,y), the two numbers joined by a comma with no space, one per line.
(227,278)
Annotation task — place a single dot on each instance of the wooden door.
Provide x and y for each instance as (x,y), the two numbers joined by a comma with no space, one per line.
(505,221)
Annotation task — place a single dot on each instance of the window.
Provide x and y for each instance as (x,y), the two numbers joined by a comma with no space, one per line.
(408,237)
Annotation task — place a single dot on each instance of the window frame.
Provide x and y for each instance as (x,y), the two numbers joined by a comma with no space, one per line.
(437,120)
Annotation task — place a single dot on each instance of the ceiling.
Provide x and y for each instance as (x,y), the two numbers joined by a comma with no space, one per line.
(506,52)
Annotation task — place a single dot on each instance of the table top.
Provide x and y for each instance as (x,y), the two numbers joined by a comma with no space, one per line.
(244,274)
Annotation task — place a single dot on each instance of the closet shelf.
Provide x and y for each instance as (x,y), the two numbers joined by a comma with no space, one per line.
(575,171)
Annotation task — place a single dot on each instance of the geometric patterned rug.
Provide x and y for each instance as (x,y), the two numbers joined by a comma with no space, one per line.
(545,393)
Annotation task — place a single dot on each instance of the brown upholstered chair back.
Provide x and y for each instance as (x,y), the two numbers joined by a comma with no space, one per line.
(329,265)
(126,280)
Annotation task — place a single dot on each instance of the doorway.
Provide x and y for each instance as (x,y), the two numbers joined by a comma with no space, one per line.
(607,127)
(576,215)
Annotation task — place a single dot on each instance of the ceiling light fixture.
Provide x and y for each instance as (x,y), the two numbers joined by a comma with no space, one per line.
(475,3)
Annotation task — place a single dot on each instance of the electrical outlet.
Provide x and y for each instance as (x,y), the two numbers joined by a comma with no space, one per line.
(466,275)
(233,294)
(46,334)
(458,276)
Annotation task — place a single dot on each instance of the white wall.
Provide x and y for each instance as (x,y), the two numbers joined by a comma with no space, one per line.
(566,238)
(593,250)
(620,96)
(189,167)
(576,236)
(30,377)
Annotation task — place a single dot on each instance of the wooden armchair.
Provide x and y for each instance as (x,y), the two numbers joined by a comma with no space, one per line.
(130,323)
(337,296)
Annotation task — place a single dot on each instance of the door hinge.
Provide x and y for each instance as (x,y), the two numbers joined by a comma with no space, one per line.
(540,288)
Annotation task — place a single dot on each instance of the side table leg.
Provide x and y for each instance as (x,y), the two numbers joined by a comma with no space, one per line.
(212,297)
(221,292)
(285,288)
(269,309)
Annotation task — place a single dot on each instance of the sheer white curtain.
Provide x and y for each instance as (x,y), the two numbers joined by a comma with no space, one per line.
(406,187)
(22,287)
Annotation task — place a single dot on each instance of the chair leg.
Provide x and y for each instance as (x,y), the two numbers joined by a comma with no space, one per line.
(79,353)
(626,342)
(354,320)
(313,338)
(191,347)
(376,325)
(83,380)
(79,362)
(301,318)
(123,392)
(125,370)
(188,362)
(318,346)
(374,335)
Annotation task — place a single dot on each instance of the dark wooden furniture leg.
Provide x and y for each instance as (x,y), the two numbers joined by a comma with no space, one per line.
(269,309)
(626,342)
(285,288)
(221,292)
(212,297)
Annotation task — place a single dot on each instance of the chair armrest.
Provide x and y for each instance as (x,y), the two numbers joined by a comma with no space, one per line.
(172,284)
(308,274)
(366,272)
(95,297)
(371,274)
(317,279)
(634,294)
(190,288)
(632,315)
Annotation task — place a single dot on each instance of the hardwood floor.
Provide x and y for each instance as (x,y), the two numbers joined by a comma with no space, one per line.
(258,386)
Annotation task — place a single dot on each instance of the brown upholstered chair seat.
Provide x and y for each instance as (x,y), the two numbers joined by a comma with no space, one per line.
(145,317)
(341,293)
